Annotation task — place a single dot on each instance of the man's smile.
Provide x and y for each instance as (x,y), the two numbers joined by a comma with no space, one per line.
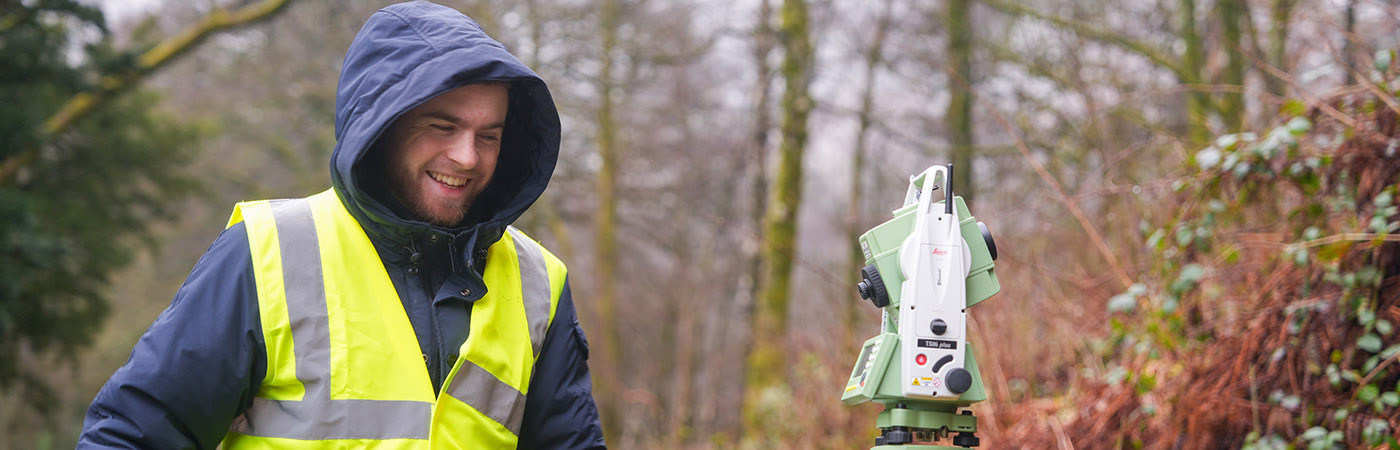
(450,181)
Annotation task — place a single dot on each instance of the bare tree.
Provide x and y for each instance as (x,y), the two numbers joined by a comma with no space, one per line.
(766,360)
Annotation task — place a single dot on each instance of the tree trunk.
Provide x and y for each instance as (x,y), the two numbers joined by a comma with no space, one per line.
(1232,101)
(763,123)
(958,118)
(544,206)
(764,38)
(1197,100)
(1278,45)
(1348,61)
(854,223)
(609,382)
(766,361)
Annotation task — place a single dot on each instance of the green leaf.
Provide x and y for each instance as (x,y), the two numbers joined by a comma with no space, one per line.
(1300,257)
(1293,107)
(1155,240)
(1368,393)
(1191,273)
(1334,252)
(1242,169)
(1369,342)
(1391,398)
(1382,60)
(1184,236)
(1365,316)
(1231,255)
(1122,303)
(1226,141)
(1208,157)
(1376,431)
(1299,125)
(1145,384)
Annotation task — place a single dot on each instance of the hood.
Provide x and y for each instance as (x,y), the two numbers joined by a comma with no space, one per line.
(405,55)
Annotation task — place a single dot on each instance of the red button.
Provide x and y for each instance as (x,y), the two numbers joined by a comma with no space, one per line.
(921,359)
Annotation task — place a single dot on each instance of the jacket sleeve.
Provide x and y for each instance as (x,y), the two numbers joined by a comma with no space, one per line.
(559,409)
(196,368)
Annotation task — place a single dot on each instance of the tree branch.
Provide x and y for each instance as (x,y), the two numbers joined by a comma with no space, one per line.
(85,103)
(1066,200)
(1157,56)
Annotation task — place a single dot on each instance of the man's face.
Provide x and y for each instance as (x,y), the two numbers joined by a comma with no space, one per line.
(440,155)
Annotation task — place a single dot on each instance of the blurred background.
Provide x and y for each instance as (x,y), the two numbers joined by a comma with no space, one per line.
(1193,200)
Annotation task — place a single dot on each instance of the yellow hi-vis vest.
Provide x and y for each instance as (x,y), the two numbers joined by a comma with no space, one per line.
(344,369)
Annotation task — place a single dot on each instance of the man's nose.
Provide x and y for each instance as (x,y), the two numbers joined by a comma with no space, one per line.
(462,150)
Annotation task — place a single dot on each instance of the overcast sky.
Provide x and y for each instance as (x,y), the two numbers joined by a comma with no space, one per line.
(123,10)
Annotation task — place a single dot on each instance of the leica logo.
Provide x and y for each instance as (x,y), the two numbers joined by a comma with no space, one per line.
(939,252)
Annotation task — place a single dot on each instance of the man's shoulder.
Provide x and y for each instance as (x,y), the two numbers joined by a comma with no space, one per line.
(229,247)
(521,236)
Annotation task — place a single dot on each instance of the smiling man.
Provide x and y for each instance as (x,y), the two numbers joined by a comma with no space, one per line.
(398,309)
(440,155)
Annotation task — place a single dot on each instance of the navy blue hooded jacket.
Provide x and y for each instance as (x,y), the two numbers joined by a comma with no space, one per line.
(202,360)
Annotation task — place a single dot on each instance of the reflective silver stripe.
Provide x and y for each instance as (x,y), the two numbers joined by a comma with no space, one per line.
(306,293)
(335,419)
(317,416)
(534,286)
(493,397)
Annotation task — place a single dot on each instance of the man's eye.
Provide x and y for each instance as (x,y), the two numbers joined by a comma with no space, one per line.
(442,127)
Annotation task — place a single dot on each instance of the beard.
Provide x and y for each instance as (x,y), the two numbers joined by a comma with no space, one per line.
(407,187)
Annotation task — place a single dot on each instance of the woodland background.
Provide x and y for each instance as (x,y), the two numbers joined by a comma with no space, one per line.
(1195,201)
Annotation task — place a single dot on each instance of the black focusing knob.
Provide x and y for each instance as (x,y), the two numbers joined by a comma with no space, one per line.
(872,287)
(959,380)
(938,327)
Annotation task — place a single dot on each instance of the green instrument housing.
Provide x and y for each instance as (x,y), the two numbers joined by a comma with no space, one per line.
(876,375)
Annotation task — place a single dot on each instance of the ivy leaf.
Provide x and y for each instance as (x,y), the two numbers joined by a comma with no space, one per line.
(1368,393)
(1334,252)
(1184,237)
(1208,157)
(1293,107)
(1192,272)
(1122,303)
(1382,61)
(1299,125)
(1391,399)
(1369,342)
(1156,239)
(1365,316)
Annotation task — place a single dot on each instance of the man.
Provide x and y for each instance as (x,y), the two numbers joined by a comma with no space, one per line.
(310,322)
